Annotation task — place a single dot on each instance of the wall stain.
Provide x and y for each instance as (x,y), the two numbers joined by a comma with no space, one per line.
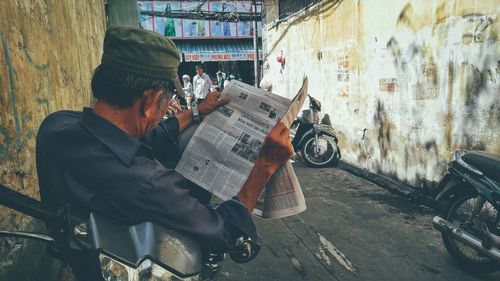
(476,80)
(405,17)
(48,13)
(44,68)
(448,119)
(476,26)
(12,96)
(441,14)
(29,133)
(2,89)
(445,61)
(473,83)
(395,50)
(20,121)
(384,130)
(5,141)
(39,66)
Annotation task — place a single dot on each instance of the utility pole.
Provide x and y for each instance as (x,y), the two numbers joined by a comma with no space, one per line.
(255,47)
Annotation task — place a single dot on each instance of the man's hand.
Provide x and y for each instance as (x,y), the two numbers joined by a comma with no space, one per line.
(211,102)
(275,151)
(175,107)
(277,147)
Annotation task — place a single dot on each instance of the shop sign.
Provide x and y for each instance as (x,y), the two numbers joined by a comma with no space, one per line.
(220,56)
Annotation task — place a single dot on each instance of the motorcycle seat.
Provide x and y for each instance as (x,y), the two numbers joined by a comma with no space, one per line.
(487,163)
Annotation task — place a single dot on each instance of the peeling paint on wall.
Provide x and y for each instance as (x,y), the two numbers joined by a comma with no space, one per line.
(404,86)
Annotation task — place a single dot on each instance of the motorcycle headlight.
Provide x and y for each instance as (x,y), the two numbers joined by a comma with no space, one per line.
(113,270)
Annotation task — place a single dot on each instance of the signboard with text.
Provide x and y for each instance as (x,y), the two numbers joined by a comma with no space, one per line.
(220,57)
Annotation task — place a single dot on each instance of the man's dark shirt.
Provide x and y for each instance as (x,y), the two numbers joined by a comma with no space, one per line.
(87,162)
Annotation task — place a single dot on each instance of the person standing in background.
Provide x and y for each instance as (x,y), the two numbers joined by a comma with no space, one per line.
(239,78)
(188,90)
(201,84)
(228,79)
(220,81)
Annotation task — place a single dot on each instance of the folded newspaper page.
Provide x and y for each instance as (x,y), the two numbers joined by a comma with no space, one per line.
(224,148)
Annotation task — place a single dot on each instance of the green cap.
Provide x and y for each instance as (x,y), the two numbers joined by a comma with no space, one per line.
(142,52)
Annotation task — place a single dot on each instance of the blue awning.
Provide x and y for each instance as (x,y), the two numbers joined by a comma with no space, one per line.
(227,50)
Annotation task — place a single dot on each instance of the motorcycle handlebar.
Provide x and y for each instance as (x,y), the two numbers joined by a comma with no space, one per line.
(24,204)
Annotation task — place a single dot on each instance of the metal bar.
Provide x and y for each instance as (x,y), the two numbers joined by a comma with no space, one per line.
(222,16)
(255,47)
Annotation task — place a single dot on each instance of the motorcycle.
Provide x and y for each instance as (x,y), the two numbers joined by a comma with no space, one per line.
(317,142)
(469,196)
(102,248)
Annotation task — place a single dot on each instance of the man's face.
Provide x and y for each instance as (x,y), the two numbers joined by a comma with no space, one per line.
(199,71)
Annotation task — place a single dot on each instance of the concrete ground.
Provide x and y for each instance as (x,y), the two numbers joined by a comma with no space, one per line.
(352,230)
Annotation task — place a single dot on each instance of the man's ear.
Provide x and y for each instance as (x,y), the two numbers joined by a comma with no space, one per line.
(150,99)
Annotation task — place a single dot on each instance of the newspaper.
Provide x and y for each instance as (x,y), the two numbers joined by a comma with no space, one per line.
(224,148)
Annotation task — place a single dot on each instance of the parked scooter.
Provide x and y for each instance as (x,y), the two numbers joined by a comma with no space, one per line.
(105,249)
(470,224)
(317,142)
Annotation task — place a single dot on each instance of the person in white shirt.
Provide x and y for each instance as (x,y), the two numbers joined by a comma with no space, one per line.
(201,84)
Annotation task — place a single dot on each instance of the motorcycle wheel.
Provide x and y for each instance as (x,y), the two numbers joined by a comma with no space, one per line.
(327,155)
(457,212)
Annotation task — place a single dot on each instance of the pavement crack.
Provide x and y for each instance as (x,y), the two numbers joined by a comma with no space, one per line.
(319,259)
(272,251)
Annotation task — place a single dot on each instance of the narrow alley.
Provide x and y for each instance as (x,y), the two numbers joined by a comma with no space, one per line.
(352,230)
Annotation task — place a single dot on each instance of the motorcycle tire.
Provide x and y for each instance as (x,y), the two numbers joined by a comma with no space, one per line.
(475,261)
(329,152)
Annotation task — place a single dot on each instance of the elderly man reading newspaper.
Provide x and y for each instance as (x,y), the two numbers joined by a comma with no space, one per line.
(227,145)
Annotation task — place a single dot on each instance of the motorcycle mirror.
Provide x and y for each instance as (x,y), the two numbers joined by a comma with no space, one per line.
(315,104)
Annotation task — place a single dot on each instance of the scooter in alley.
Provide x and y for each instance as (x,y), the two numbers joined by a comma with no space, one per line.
(317,142)
(469,196)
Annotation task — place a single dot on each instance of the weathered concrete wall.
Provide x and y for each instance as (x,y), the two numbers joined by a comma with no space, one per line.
(48,51)
(405,82)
